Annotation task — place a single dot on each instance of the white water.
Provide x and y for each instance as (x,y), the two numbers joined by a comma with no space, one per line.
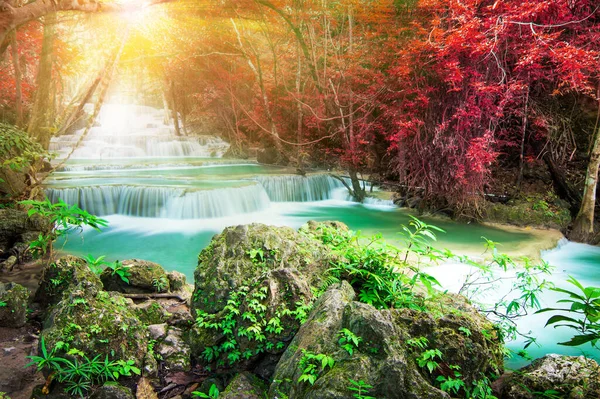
(291,188)
(181,203)
(135,131)
(164,202)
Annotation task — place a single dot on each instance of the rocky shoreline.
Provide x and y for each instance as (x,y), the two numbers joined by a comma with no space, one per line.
(263,320)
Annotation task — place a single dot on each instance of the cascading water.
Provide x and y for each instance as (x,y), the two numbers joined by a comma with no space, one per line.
(299,188)
(164,202)
(134,131)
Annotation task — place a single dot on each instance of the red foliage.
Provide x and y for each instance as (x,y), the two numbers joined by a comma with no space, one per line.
(472,72)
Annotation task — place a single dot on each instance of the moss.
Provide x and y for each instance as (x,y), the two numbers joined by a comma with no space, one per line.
(535,211)
(151,312)
(66,274)
(97,325)
(13,305)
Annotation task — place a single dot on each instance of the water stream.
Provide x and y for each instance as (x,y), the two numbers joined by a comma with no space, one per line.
(165,196)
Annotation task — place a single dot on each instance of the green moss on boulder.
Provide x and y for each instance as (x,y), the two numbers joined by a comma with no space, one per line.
(254,275)
(244,386)
(144,277)
(570,376)
(112,390)
(66,274)
(383,358)
(13,305)
(532,211)
(100,324)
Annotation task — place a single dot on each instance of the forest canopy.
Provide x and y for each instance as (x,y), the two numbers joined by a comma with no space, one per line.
(435,96)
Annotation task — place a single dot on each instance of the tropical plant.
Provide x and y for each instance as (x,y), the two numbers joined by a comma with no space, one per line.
(64,219)
(213,393)
(583,313)
(360,388)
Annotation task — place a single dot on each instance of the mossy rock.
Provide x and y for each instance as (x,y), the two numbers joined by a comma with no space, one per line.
(173,351)
(13,305)
(531,211)
(16,227)
(244,386)
(151,312)
(177,281)
(569,376)
(112,390)
(57,392)
(101,324)
(66,274)
(144,277)
(265,272)
(383,358)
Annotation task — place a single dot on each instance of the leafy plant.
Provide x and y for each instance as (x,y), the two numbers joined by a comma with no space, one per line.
(452,384)
(118,269)
(213,393)
(96,264)
(583,313)
(3,304)
(313,365)
(349,341)
(361,388)
(381,273)
(64,219)
(427,359)
(78,372)
(160,284)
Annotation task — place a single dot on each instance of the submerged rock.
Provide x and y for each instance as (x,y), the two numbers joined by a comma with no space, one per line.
(259,277)
(383,358)
(13,305)
(144,277)
(569,376)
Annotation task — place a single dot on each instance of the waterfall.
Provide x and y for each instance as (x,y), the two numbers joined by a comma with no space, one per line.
(133,131)
(294,188)
(164,202)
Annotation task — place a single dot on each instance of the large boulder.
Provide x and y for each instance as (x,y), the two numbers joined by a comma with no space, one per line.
(569,376)
(383,358)
(97,324)
(252,284)
(112,390)
(143,277)
(170,347)
(244,386)
(18,228)
(66,274)
(13,305)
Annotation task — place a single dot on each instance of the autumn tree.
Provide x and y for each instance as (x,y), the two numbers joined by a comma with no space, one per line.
(474,82)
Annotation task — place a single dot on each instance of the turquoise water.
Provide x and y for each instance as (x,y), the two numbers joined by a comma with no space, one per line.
(192,198)
(175,244)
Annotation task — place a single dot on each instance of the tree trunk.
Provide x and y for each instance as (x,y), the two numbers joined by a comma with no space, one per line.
(583,226)
(78,113)
(18,87)
(174,109)
(39,123)
(167,118)
(522,153)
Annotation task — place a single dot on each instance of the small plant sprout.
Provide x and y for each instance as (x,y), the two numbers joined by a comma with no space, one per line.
(213,393)
(349,341)
(360,389)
